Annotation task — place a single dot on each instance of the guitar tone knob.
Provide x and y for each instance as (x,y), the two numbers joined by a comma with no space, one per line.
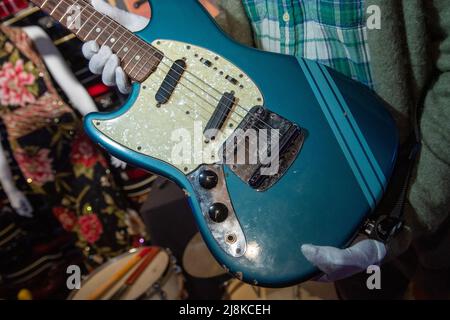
(218,212)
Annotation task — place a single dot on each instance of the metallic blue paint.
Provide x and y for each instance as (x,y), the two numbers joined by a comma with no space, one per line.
(318,200)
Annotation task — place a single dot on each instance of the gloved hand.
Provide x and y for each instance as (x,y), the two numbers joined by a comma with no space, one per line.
(20,204)
(102,60)
(337,264)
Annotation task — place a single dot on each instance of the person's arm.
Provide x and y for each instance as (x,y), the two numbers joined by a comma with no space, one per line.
(430,192)
(17,199)
(60,71)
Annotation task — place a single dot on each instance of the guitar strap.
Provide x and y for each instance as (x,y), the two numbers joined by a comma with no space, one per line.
(387,220)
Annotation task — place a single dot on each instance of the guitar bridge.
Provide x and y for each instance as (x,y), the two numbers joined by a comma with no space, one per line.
(268,159)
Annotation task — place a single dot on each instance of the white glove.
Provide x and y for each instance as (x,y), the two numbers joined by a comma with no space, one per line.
(102,60)
(117,163)
(338,264)
(20,204)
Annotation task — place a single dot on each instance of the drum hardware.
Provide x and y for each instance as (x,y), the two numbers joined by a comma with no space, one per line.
(157,287)
(237,290)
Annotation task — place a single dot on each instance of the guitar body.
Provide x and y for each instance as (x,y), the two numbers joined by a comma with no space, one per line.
(344,161)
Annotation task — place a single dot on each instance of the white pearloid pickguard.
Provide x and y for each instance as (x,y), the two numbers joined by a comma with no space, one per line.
(151,130)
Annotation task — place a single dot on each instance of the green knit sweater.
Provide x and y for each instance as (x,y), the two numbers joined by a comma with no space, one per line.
(410,61)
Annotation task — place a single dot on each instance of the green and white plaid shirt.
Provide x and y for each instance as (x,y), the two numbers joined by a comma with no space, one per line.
(331,32)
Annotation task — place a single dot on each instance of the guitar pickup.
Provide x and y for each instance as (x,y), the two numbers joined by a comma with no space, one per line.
(170,82)
(219,116)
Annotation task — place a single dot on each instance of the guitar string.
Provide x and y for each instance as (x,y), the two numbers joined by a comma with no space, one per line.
(174,88)
(155,75)
(196,112)
(145,53)
(195,76)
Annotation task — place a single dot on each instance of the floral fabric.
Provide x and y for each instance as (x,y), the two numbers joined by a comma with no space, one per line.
(64,175)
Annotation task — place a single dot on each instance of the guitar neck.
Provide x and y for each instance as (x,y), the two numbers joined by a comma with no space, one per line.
(138,58)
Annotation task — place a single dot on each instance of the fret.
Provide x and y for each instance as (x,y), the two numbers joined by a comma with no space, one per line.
(65,11)
(138,58)
(112,35)
(56,7)
(123,49)
(87,20)
(92,29)
(101,31)
(133,56)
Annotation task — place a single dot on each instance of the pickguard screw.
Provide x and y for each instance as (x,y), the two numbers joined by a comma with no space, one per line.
(144,87)
(97,123)
(259,99)
(206,141)
(187,112)
(241,86)
(158,105)
(185,169)
(241,75)
(221,72)
(139,148)
(215,68)
(216,58)
(188,47)
(158,42)
(196,55)
(230,125)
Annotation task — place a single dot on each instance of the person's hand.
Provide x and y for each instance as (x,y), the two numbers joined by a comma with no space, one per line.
(117,163)
(20,204)
(337,264)
(102,60)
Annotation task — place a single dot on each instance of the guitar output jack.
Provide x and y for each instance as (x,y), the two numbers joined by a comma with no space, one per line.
(230,238)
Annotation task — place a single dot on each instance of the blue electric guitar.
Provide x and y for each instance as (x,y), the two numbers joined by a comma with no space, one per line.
(196,90)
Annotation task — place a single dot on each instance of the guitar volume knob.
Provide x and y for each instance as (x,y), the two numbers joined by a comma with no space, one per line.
(208,179)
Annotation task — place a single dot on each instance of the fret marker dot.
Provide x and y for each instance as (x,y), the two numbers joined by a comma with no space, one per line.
(112,40)
(137,57)
(125,49)
(98,30)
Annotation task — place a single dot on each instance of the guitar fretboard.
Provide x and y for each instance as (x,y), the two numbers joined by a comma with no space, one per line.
(138,58)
